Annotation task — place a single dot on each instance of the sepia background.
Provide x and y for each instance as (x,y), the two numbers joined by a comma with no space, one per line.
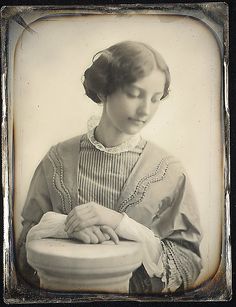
(50,105)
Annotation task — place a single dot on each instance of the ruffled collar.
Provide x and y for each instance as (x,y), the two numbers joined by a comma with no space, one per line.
(123,147)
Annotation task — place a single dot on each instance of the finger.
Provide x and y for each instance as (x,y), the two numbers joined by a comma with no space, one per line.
(70,214)
(99,234)
(75,212)
(77,215)
(70,221)
(81,236)
(113,236)
(84,238)
(106,235)
(75,226)
(86,223)
(111,233)
(92,236)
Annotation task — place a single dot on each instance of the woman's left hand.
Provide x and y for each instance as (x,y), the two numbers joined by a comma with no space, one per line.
(95,235)
(91,214)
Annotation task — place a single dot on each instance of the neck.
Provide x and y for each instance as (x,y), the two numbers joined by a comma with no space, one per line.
(108,135)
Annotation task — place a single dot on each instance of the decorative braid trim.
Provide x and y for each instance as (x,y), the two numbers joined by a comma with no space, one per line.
(58,180)
(54,182)
(62,181)
(157,175)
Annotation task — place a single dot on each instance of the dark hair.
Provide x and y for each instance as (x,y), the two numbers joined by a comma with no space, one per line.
(121,64)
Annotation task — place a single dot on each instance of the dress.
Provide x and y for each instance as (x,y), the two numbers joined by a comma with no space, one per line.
(156,194)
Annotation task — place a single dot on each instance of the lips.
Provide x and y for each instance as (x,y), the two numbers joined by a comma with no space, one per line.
(137,121)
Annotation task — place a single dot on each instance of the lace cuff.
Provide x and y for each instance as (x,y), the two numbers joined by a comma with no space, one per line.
(179,270)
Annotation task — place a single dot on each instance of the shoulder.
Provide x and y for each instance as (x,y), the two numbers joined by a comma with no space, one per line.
(65,150)
(69,144)
(155,150)
(159,155)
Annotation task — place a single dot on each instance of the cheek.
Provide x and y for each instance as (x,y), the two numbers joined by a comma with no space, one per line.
(155,107)
(115,111)
(118,107)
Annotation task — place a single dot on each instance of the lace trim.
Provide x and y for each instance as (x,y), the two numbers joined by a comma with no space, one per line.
(188,267)
(124,147)
(179,269)
(171,275)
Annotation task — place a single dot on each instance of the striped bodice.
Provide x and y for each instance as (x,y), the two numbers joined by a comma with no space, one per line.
(101,175)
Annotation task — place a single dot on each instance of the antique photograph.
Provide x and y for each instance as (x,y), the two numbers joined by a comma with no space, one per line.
(116,152)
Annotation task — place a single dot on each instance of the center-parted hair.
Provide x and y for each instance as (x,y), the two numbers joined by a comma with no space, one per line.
(122,64)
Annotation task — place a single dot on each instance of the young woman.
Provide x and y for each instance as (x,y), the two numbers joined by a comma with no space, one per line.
(112,183)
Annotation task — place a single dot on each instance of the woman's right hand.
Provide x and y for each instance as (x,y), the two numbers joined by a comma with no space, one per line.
(95,234)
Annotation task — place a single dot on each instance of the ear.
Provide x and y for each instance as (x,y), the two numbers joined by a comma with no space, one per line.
(102,97)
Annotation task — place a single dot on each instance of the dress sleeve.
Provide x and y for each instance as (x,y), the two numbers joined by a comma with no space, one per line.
(177,223)
(169,210)
(37,203)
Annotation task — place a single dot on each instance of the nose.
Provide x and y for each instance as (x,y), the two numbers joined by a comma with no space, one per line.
(144,106)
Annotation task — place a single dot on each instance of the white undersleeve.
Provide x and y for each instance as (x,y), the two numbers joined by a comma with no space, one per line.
(131,230)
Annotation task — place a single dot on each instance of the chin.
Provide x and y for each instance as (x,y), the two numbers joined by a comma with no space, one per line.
(132,131)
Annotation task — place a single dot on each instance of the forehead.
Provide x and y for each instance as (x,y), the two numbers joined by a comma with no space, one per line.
(155,81)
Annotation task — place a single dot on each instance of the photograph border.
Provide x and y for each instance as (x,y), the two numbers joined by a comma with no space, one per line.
(215,16)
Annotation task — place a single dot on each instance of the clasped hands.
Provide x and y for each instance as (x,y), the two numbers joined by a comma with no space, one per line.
(92,223)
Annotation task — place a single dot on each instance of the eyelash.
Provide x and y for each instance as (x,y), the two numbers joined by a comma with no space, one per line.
(133,96)
(139,96)
(156,100)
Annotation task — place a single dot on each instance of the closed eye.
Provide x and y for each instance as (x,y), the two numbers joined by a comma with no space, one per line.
(133,92)
(156,97)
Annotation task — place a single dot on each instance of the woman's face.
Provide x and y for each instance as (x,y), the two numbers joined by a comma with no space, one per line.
(130,108)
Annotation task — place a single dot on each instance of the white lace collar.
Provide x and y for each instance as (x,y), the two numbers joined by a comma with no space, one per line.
(123,147)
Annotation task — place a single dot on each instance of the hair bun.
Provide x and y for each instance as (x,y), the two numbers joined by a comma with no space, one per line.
(121,64)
